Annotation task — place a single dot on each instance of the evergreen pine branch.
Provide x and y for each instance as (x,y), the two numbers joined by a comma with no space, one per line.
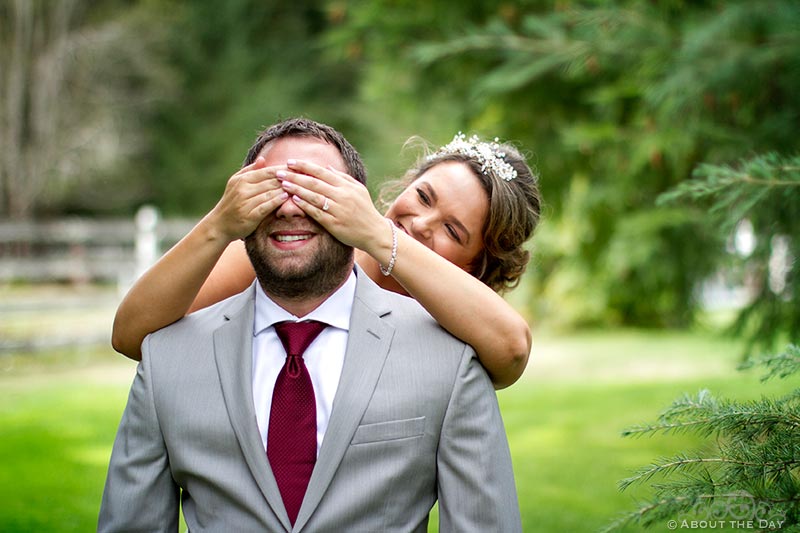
(780,365)
(706,416)
(760,466)
(753,420)
(705,466)
(767,482)
(792,397)
(736,190)
(654,512)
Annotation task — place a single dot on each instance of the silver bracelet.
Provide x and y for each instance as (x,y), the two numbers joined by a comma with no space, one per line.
(388,270)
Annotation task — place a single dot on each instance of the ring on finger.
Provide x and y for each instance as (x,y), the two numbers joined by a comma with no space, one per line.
(326,205)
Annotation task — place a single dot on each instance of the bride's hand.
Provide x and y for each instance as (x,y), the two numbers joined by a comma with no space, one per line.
(250,195)
(350,216)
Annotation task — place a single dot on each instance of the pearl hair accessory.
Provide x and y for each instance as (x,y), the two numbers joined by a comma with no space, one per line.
(488,154)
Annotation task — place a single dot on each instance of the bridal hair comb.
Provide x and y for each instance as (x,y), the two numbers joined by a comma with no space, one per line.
(488,154)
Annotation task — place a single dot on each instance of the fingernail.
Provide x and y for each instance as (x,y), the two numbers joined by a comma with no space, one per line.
(284,195)
(287,185)
(291,162)
(281,174)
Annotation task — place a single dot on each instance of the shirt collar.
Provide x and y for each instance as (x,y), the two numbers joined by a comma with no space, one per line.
(334,311)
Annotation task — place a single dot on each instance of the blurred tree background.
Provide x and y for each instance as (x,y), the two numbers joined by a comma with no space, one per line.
(110,104)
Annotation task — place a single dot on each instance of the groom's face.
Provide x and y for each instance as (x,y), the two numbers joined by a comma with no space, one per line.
(293,255)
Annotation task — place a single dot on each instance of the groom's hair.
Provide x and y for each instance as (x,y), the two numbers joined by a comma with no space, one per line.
(303,127)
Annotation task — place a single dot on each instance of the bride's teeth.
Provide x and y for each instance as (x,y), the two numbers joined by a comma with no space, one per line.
(291,238)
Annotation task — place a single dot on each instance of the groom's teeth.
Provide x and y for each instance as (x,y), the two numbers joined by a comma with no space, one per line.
(291,238)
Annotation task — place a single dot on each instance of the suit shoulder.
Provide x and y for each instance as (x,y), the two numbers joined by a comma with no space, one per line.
(411,320)
(204,321)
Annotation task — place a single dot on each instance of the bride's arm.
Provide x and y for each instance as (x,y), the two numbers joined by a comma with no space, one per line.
(461,303)
(169,289)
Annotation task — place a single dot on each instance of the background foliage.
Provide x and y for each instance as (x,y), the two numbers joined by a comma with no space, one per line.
(614,101)
(752,462)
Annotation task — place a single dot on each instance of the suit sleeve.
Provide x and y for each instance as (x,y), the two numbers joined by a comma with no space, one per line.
(140,494)
(475,477)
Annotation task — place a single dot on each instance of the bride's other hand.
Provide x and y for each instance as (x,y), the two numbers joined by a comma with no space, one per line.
(250,195)
(338,202)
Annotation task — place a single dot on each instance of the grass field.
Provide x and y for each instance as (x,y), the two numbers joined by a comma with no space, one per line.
(59,413)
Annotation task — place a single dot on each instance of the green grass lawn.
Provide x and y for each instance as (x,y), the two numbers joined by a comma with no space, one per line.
(59,415)
(58,422)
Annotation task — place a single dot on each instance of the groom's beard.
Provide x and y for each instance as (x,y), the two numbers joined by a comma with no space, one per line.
(309,273)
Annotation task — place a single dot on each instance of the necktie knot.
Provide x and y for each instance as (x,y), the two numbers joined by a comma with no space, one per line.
(297,336)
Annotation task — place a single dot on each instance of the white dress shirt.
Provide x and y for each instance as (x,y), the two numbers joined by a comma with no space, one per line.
(324,357)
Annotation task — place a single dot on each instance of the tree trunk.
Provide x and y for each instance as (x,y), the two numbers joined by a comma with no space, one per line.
(32,83)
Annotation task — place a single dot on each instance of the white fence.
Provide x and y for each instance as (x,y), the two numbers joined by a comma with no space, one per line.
(85,250)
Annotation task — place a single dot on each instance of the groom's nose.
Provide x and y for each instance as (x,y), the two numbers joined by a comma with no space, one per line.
(289,209)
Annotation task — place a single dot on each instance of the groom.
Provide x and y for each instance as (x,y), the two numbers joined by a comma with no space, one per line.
(313,401)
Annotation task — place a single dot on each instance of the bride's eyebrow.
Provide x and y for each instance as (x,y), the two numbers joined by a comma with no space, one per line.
(453,220)
(463,229)
(430,190)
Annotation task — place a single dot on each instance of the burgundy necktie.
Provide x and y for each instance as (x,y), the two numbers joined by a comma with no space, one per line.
(292,434)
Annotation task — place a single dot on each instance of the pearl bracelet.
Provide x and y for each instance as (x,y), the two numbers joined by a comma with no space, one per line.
(388,270)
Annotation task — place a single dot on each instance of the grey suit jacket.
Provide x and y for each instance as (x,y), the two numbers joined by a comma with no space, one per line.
(414,418)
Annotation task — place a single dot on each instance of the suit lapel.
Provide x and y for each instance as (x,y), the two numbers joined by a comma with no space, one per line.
(233,349)
(368,345)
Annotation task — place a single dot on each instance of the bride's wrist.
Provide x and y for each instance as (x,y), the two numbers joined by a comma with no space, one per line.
(385,250)
(213,231)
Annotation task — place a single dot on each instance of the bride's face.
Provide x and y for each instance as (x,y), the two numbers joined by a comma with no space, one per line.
(445,209)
